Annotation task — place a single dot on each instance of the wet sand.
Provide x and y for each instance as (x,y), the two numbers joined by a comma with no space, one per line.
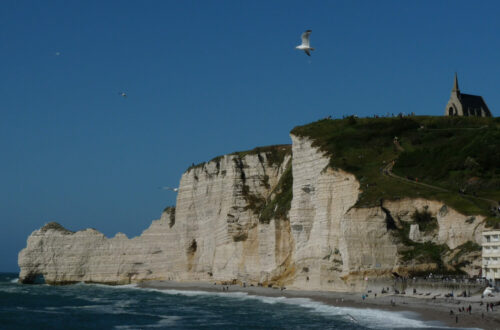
(428,309)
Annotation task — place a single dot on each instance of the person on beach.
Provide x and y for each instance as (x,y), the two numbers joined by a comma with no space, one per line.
(470,309)
(456,319)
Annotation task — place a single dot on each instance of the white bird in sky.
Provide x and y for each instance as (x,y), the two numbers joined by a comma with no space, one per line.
(305,43)
(123,94)
(170,188)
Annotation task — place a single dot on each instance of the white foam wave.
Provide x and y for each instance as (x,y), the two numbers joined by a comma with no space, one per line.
(13,289)
(118,307)
(99,308)
(106,286)
(15,280)
(194,293)
(372,318)
(93,299)
(165,322)
(126,303)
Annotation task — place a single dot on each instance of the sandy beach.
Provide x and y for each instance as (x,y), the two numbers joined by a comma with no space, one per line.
(428,309)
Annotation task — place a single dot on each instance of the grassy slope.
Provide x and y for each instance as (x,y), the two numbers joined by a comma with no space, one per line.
(451,153)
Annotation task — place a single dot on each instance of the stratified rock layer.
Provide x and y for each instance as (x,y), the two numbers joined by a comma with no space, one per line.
(217,231)
(213,234)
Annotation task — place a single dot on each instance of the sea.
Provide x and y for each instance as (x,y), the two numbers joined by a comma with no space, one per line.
(91,306)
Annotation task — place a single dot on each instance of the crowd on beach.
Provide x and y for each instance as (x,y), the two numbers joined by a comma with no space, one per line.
(443,279)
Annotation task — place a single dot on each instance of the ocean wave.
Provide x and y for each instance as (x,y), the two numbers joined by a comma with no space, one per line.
(15,280)
(118,307)
(93,299)
(165,322)
(14,289)
(126,303)
(106,286)
(40,311)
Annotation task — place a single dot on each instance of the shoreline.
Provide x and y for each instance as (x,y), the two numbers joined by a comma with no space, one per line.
(428,309)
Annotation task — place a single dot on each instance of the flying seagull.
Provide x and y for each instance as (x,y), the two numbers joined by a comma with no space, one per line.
(169,188)
(123,94)
(305,43)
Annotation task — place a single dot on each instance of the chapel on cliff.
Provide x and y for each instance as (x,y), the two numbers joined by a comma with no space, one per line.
(461,104)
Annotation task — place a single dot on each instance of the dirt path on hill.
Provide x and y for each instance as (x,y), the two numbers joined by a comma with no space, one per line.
(387,170)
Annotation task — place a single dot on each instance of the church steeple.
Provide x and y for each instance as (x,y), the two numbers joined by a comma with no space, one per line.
(465,105)
(455,89)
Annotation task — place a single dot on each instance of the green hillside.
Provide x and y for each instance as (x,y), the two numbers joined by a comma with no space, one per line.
(452,159)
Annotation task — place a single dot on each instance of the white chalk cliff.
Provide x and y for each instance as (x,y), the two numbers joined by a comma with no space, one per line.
(227,227)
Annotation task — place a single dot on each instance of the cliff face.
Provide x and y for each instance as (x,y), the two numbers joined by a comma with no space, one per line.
(213,234)
(231,224)
(338,245)
(64,257)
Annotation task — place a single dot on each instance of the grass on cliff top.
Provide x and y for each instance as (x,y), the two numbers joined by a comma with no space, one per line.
(453,153)
(275,154)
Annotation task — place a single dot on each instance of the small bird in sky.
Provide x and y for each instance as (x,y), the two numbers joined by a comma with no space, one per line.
(57,53)
(169,188)
(305,43)
(123,94)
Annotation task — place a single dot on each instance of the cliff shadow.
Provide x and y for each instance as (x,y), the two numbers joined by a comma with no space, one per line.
(33,279)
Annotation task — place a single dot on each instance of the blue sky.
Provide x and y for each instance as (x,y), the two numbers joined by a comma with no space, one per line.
(203,79)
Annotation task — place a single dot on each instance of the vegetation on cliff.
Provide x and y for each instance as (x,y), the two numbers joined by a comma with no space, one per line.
(275,154)
(426,252)
(452,159)
(55,226)
(170,211)
(438,257)
(426,222)
(280,201)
